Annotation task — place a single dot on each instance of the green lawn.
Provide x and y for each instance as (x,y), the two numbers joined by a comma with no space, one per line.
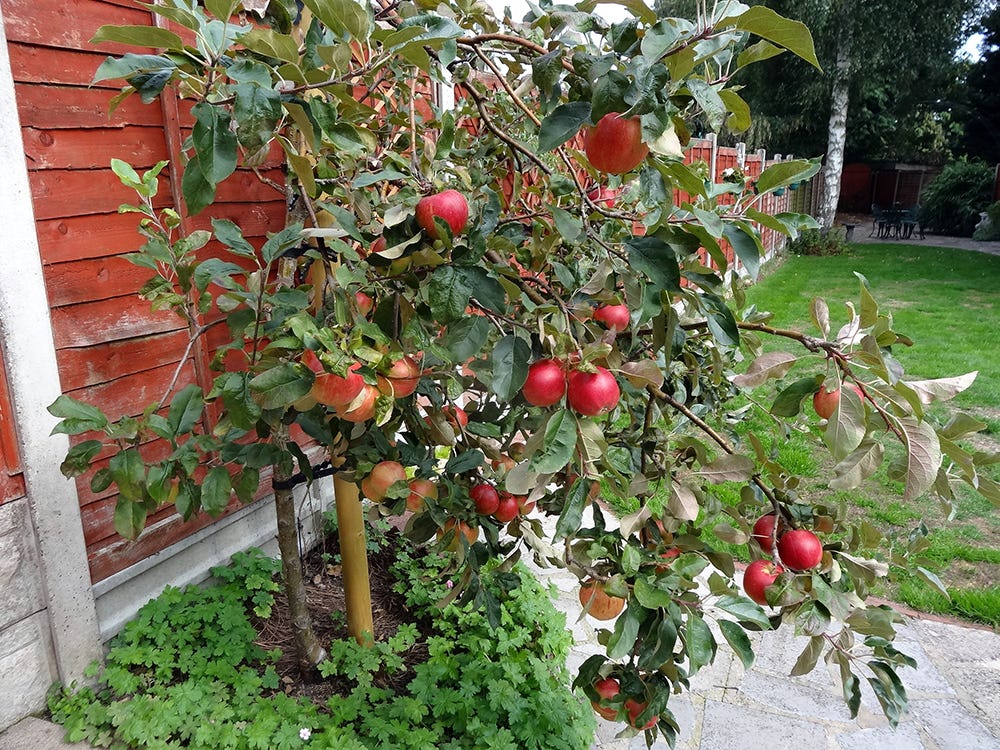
(947,302)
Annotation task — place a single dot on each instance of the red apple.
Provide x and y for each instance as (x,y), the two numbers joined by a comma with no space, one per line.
(402,378)
(336,391)
(486,498)
(455,415)
(800,549)
(597,602)
(420,491)
(607,688)
(383,475)
(825,402)
(763,532)
(615,144)
(362,408)
(592,393)
(615,317)
(758,576)
(378,246)
(449,205)
(603,196)
(634,709)
(507,509)
(545,384)
(669,554)
(364,302)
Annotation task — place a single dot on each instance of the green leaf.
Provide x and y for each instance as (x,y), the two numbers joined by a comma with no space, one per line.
(78,458)
(128,472)
(279,242)
(789,401)
(792,35)
(216,490)
(448,293)
(562,124)
(858,466)
(130,518)
(185,409)
(231,236)
(657,651)
(729,467)
(572,510)
(486,290)
(558,444)
(721,322)
(625,633)
(214,270)
(128,65)
(197,190)
(709,101)
(809,656)
(758,52)
(459,463)
(77,416)
(655,258)
(509,362)
(847,426)
(569,226)
(638,8)
(700,643)
(138,36)
(343,16)
(257,111)
(464,339)
(746,245)
(270,43)
(812,618)
(238,400)
(784,173)
(933,581)
(659,38)
(738,640)
(651,597)
(281,386)
(923,457)
(744,610)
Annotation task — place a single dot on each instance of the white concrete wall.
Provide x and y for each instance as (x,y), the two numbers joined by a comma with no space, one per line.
(48,623)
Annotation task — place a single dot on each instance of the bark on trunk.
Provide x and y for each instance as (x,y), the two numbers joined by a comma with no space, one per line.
(837,132)
(308,650)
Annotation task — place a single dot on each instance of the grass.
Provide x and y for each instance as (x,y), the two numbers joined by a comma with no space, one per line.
(948,302)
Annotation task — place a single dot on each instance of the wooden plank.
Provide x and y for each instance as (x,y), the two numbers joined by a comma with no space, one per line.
(11,487)
(11,478)
(256,219)
(103,363)
(113,319)
(50,107)
(73,238)
(30,63)
(69,24)
(93,279)
(131,394)
(58,193)
(93,148)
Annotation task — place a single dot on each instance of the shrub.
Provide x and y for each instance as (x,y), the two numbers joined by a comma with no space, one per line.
(186,673)
(952,202)
(819,242)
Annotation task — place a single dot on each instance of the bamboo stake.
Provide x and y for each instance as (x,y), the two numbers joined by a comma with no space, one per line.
(354,559)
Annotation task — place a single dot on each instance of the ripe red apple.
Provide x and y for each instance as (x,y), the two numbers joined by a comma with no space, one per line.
(763,530)
(545,384)
(450,205)
(362,408)
(758,576)
(634,709)
(800,549)
(402,378)
(364,302)
(598,603)
(461,529)
(507,509)
(607,688)
(310,360)
(378,246)
(615,317)
(383,475)
(336,391)
(603,195)
(669,554)
(455,415)
(503,464)
(420,491)
(825,402)
(615,144)
(486,498)
(592,393)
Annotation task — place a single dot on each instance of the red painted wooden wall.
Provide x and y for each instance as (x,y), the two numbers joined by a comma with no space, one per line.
(111,350)
(11,477)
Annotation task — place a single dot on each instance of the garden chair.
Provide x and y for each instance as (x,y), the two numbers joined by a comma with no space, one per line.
(911,221)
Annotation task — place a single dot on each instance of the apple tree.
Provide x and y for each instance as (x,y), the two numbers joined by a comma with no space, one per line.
(508,315)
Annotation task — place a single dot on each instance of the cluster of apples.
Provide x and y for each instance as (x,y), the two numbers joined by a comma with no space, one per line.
(608,689)
(798,550)
(588,393)
(350,396)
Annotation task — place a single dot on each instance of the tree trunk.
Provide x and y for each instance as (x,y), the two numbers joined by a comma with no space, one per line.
(837,133)
(354,559)
(308,650)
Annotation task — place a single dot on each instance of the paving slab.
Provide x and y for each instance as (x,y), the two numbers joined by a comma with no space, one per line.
(37,734)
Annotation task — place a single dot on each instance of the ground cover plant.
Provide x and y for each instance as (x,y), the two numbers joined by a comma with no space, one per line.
(192,669)
(945,299)
(506,308)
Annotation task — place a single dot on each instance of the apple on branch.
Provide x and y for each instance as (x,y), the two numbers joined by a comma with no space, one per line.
(449,205)
(615,144)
